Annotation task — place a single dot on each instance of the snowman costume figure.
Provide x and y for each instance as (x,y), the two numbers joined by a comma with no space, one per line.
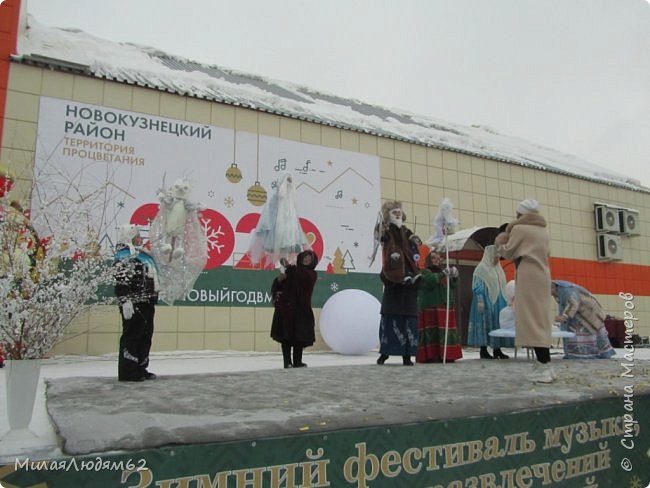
(178,240)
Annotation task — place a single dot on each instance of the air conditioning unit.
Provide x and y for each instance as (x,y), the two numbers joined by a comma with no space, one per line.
(607,219)
(629,221)
(610,247)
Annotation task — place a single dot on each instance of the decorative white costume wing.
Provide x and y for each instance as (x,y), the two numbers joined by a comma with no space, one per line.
(444,224)
(278,233)
(178,240)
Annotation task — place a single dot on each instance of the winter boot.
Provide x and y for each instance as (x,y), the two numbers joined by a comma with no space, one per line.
(286,356)
(297,357)
(542,373)
(496,352)
(406,361)
(382,358)
(484,354)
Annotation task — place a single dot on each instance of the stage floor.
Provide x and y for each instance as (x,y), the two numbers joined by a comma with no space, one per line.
(99,414)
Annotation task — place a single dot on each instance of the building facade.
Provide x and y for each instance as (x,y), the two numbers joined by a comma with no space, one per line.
(599,228)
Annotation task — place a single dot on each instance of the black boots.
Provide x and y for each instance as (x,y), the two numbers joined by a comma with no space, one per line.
(406,360)
(498,354)
(297,357)
(484,353)
(286,356)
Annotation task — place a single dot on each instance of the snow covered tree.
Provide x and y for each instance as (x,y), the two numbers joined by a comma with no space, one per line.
(51,266)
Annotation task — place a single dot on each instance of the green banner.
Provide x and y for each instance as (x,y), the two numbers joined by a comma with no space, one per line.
(232,287)
(596,443)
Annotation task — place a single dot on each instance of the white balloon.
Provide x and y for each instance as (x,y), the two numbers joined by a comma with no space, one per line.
(349,322)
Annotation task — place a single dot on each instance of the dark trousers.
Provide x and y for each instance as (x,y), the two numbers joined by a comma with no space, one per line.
(286,355)
(543,354)
(135,342)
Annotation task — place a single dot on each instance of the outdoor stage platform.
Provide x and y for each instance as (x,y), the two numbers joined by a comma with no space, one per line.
(471,423)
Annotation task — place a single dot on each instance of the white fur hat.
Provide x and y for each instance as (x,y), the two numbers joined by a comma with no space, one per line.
(127,232)
(527,206)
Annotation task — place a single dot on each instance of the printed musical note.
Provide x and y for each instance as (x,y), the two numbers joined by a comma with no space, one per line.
(281,166)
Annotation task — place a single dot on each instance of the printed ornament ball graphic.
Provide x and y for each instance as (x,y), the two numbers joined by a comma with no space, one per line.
(233,174)
(256,195)
(349,322)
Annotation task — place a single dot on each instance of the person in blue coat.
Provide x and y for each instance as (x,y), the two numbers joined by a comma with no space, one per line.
(488,298)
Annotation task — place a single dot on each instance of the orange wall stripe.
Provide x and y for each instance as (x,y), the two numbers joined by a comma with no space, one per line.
(9,14)
(600,278)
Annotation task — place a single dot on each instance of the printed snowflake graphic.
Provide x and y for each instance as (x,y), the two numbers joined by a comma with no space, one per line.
(211,193)
(229,202)
(212,235)
(334,287)
(635,482)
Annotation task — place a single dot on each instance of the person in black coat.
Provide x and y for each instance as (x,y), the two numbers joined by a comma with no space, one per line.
(293,319)
(136,291)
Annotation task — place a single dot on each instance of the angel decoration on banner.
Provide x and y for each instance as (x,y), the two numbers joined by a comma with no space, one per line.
(179,244)
(278,236)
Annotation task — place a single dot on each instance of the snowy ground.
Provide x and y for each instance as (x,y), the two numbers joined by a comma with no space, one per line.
(42,442)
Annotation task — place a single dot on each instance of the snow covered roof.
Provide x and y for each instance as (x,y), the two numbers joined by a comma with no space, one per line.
(76,51)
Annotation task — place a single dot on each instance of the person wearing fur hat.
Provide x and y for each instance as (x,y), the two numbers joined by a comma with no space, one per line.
(293,319)
(526,242)
(399,273)
(136,288)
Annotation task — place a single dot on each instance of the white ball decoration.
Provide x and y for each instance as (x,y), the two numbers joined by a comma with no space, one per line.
(349,322)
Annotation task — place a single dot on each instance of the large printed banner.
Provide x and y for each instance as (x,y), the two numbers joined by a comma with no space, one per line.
(120,160)
(591,444)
